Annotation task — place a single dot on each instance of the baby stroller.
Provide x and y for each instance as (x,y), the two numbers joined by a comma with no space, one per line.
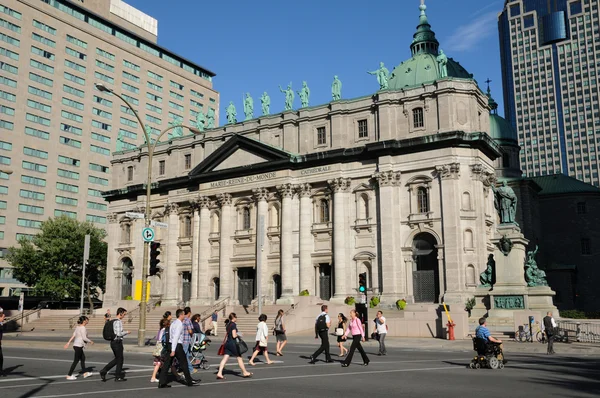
(199,345)
(489,355)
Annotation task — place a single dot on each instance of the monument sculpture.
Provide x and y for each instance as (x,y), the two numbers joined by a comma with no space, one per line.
(177,130)
(210,118)
(533,275)
(231,113)
(505,202)
(265,101)
(304,95)
(120,142)
(336,89)
(149,131)
(289,96)
(248,107)
(200,121)
(486,278)
(442,60)
(382,76)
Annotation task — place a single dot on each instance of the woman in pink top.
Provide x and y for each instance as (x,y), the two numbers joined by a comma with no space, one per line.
(358,334)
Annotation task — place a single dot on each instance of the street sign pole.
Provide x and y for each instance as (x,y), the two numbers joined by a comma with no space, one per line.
(21,307)
(260,240)
(86,256)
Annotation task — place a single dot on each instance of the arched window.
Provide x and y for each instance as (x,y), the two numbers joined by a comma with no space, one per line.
(126,233)
(418,118)
(363,207)
(468,239)
(324,210)
(215,226)
(466,201)
(422,200)
(187,227)
(470,275)
(245,218)
(274,215)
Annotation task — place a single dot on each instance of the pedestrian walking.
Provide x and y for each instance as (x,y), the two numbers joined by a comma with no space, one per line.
(162,339)
(339,332)
(2,318)
(176,333)
(115,334)
(107,316)
(280,336)
(80,340)
(214,318)
(167,315)
(550,326)
(231,348)
(322,325)
(188,333)
(381,329)
(355,328)
(262,336)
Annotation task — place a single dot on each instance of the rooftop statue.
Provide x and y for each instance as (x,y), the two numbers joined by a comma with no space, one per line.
(265,101)
(210,118)
(442,60)
(505,202)
(200,121)
(149,131)
(382,76)
(486,278)
(336,89)
(177,131)
(533,275)
(289,96)
(231,113)
(120,143)
(304,95)
(248,107)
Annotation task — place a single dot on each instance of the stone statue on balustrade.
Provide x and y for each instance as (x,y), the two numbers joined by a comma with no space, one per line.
(176,131)
(382,76)
(442,61)
(200,121)
(231,113)
(289,96)
(505,202)
(210,118)
(487,277)
(120,143)
(265,101)
(533,275)
(149,131)
(248,107)
(336,89)
(304,95)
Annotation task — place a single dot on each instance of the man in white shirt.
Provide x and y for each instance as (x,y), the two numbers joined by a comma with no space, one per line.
(381,330)
(322,325)
(549,325)
(117,347)
(176,347)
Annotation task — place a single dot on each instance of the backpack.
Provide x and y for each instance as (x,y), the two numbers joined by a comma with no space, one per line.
(108,332)
(322,323)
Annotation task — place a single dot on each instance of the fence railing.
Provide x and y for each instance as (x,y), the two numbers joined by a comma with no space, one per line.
(584,332)
(13,322)
(218,306)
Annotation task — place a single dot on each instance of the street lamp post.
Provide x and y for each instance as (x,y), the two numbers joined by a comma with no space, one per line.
(145,262)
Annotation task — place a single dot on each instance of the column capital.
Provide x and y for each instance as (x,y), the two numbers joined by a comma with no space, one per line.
(448,171)
(304,190)
(286,190)
(387,178)
(260,194)
(225,199)
(112,218)
(171,208)
(339,184)
(480,173)
(203,202)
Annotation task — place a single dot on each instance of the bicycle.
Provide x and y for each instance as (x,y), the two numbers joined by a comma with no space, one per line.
(523,334)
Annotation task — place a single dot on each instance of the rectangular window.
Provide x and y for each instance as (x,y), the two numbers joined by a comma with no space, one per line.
(31,209)
(43,40)
(76,41)
(103,101)
(100,137)
(161,167)
(418,118)
(96,206)
(128,122)
(68,161)
(197,94)
(70,142)
(153,119)
(101,125)
(9,54)
(10,26)
(72,116)
(98,180)
(175,116)
(126,38)
(127,110)
(7,96)
(133,100)
(105,54)
(100,25)
(3,190)
(10,11)
(188,161)
(74,91)
(44,27)
(104,77)
(321,136)
(37,119)
(10,40)
(22,222)
(153,97)
(128,134)
(37,133)
(73,65)
(7,110)
(34,166)
(65,201)
(7,146)
(67,187)
(40,182)
(131,65)
(70,214)
(75,53)
(131,88)
(175,84)
(2,222)
(100,150)
(5,160)
(581,208)
(72,104)
(9,68)
(586,247)
(24,193)
(154,87)
(176,95)
(363,131)
(70,129)
(153,108)
(130,173)
(155,76)
(3,205)
(98,167)
(74,79)
(39,106)
(40,79)
(101,113)
(39,92)
(95,219)
(68,174)
(149,50)
(5,81)
(42,53)
(131,77)
(94,192)
(175,106)
(196,104)
(105,66)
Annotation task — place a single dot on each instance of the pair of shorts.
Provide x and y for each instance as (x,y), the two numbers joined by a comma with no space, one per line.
(258,348)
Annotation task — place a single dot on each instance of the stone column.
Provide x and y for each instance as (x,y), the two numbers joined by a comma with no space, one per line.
(172,278)
(261,195)
(114,237)
(203,284)
(225,247)
(195,249)
(339,186)
(286,191)
(390,256)
(307,272)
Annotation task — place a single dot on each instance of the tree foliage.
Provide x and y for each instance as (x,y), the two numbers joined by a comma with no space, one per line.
(52,262)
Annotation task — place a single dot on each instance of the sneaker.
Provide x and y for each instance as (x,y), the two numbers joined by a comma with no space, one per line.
(153,380)
(72,377)
(87,374)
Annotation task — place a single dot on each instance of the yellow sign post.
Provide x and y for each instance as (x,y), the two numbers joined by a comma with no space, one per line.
(450,324)
(138,290)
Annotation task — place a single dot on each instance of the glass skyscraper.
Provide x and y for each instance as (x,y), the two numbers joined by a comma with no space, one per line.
(550,53)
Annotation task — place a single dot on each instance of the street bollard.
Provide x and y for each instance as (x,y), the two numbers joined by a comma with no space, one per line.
(450,326)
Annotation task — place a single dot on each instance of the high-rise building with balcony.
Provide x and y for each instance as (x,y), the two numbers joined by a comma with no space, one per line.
(550,52)
(57,131)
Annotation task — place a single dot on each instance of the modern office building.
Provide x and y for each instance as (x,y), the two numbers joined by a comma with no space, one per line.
(57,131)
(550,52)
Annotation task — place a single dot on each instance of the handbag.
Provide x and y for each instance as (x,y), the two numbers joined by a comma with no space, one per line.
(339,332)
(241,346)
(158,349)
(221,351)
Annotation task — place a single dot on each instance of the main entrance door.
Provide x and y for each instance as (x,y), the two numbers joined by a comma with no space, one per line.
(325,281)
(426,287)
(246,286)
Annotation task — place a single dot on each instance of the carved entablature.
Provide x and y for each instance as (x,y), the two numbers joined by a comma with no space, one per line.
(480,173)
(304,190)
(112,218)
(339,184)
(448,171)
(260,194)
(387,178)
(286,190)
(171,208)
(224,199)
(139,209)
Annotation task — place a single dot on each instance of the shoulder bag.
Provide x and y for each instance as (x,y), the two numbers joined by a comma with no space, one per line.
(242,347)
(221,351)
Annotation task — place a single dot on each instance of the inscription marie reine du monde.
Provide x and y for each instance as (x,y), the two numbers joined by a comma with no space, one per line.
(264,176)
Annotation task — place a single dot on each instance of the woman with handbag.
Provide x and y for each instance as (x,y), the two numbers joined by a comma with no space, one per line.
(233,346)
(358,334)
(280,333)
(339,332)
(262,331)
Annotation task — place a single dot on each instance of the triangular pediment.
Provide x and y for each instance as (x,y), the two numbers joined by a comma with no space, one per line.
(240,152)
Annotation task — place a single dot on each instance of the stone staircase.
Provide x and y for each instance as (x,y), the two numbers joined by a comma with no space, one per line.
(502,328)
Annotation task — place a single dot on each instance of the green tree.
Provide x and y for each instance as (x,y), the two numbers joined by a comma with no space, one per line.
(52,261)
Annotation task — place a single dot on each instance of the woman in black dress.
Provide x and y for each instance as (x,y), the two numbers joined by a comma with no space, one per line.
(342,322)
(231,349)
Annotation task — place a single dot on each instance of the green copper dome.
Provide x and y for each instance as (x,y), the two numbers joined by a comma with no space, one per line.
(500,128)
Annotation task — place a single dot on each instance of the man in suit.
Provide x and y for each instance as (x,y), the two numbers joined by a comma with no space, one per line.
(550,329)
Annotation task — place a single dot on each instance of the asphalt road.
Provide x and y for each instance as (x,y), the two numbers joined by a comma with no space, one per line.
(410,373)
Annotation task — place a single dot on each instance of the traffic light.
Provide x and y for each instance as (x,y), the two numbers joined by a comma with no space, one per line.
(154,253)
(362,282)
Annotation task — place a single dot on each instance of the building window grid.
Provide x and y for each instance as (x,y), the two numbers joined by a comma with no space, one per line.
(321,136)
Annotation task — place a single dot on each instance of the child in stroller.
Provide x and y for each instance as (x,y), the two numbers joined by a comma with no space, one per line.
(199,345)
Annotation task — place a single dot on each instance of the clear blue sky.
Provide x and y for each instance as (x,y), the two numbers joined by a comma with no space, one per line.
(255,46)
